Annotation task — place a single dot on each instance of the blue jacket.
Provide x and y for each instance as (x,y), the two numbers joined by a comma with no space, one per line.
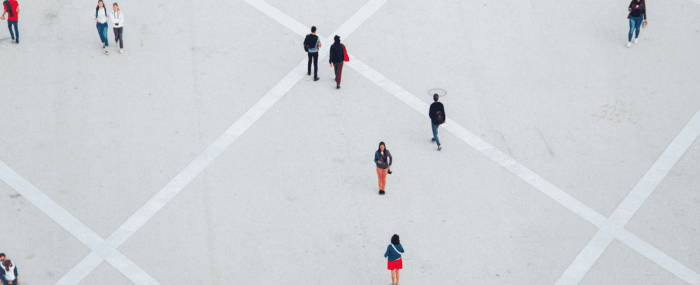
(392,254)
(378,157)
(2,273)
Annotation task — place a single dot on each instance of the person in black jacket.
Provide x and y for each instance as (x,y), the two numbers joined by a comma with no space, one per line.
(437,118)
(312,43)
(638,14)
(336,59)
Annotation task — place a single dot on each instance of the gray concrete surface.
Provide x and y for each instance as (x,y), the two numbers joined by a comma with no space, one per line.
(294,199)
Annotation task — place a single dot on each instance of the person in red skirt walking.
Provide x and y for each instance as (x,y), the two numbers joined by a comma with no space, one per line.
(393,254)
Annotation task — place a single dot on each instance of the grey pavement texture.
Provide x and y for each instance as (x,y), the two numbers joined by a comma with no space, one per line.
(294,199)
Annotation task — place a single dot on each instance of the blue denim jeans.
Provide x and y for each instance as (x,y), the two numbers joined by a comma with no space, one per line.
(102,30)
(635,24)
(435,132)
(14,35)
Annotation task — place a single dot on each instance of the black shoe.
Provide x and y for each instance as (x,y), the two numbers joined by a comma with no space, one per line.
(316,79)
(439,148)
(308,73)
(337,87)
(381,192)
(388,172)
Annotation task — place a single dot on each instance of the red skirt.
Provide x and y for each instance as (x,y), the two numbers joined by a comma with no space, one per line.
(396,264)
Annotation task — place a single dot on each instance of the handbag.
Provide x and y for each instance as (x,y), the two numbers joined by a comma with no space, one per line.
(345,54)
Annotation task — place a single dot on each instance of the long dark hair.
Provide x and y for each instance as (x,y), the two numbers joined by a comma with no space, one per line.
(7,264)
(98,8)
(8,7)
(379,148)
(395,240)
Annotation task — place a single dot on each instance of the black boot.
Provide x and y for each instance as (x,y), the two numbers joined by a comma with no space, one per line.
(381,192)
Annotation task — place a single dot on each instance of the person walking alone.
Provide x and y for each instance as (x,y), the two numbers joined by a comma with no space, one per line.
(393,255)
(383,160)
(637,15)
(117,25)
(311,45)
(8,273)
(11,8)
(101,19)
(336,59)
(437,118)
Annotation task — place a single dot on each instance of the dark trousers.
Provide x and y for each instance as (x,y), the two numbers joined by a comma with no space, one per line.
(118,36)
(338,66)
(14,35)
(313,56)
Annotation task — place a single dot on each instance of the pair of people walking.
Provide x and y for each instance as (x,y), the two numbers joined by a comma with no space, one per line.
(117,18)
(638,18)
(8,271)
(11,8)
(338,55)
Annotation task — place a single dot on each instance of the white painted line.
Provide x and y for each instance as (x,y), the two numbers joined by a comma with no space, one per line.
(107,249)
(658,256)
(75,228)
(629,206)
(482,146)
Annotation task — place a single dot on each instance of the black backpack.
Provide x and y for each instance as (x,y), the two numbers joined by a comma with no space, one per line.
(440,117)
(309,42)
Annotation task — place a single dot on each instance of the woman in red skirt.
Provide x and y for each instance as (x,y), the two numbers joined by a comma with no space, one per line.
(393,254)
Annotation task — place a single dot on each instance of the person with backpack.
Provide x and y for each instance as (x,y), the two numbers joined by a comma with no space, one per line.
(393,255)
(637,15)
(383,160)
(11,8)
(437,118)
(101,19)
(8,273)
(117,25)
(337,57)
(311,46)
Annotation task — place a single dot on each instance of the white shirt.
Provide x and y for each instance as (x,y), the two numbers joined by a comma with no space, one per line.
(117,19)
(10,274)
(101,16)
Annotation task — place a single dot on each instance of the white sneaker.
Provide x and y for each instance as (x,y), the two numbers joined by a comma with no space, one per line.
(629,44)
(121,51)
(636,41)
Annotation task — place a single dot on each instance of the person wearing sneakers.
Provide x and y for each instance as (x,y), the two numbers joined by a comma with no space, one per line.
(383,160)
(117,25)
(8,273)
(11,8)
(311,44)
(393,255)
(100,16)
(437,118)
(637,15)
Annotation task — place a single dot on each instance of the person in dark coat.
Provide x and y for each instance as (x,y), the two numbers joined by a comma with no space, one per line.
(383,160)
(437,118)
(638,14)
(336,59)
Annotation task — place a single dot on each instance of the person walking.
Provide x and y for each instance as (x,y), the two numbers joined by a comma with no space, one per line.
(101,19)
(336,59)
(437,118)
(117,25)
(311,45)
(393,255)
(8,273)
(11,8)
(383,160)
(637,15)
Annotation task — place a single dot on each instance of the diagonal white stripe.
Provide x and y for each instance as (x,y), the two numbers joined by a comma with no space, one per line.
(629,206)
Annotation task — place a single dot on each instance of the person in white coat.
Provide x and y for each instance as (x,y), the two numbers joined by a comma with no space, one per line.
(118,25)
(100,16)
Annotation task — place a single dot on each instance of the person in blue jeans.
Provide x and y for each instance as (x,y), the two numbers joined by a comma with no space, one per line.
(638,14)
(437,118)
(11,8)
(101,17)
